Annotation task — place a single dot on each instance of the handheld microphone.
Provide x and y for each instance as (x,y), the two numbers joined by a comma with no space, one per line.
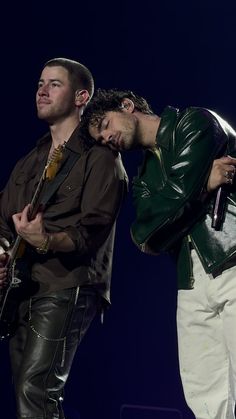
(219,207)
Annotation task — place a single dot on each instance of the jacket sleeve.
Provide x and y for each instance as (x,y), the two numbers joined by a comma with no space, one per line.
(5,230)
(105,186)
(168,205)
(7,203)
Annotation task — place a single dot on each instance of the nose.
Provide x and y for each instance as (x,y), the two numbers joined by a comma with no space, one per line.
(106,137)
(43,90)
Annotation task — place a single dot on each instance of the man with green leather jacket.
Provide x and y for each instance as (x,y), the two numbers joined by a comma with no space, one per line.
(185,200)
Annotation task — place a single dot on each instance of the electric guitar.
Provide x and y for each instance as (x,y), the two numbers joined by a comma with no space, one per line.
(18,284)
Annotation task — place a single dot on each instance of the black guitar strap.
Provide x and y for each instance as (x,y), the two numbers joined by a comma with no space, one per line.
(53,185)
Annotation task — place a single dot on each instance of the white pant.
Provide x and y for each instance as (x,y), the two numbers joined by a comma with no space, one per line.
(206,323)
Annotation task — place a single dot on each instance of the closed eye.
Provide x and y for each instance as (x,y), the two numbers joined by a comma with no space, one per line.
(104,124)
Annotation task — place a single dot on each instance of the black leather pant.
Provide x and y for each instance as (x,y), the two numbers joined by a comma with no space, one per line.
(42,350)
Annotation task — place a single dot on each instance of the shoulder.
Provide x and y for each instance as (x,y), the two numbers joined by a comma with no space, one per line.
(199,126)
(196,118)
(102,152)
(102,158)
(99,153)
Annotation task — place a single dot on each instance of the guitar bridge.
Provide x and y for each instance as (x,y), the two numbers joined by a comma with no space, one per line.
(15,282)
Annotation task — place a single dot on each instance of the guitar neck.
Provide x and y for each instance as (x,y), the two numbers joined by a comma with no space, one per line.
(34,201)
(49,173)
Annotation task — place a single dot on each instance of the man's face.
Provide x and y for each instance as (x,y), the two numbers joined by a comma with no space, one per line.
(55,98)
(117,129)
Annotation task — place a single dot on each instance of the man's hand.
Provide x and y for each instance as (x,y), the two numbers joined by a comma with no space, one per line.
(32,231)
(4,245)
(222,172)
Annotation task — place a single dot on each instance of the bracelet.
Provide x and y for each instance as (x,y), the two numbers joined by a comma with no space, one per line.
(44,246)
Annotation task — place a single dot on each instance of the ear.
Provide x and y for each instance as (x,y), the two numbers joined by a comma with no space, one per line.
(81,97)
(127,105)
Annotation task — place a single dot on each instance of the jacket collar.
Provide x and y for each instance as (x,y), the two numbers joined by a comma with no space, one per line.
(167,125)
(74,144)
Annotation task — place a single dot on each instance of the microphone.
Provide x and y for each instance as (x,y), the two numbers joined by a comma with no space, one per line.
(219,207)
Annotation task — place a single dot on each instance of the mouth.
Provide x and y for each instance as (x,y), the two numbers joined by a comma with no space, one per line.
(117,142)
(42,102)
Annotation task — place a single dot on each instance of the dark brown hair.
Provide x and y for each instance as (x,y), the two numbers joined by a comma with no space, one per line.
(79,75)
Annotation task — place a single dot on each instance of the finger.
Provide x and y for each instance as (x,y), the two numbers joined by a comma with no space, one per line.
(3,259)
(229,171)
(21,217)
(2,250)
(232,159)
(16,217)
(39,216)
(3,283)
(229,181)
(228,160)
(3,274)
(4,243)
(229,177)
(24,214)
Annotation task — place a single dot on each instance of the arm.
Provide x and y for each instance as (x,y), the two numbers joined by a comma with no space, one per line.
(34,233)
(12,197)
(222,172)
(105,185)
(168,193)
(101,198)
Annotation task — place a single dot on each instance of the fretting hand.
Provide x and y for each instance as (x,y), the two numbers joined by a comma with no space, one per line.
(32,231)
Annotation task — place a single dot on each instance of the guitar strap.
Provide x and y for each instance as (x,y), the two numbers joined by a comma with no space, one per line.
(53,185)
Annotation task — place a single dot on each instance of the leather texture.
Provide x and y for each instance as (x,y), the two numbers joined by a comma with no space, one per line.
(50,328)
(168,191)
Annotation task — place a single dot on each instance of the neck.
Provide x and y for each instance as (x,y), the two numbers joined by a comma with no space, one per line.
(149,127)
(62,130)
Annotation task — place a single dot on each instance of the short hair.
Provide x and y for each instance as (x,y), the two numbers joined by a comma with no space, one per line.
(79,75)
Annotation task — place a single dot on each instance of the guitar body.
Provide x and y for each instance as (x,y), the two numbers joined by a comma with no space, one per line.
(18,287)
(10,302)
(8,313)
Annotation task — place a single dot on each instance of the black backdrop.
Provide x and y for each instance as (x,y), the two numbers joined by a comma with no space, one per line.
(176,53)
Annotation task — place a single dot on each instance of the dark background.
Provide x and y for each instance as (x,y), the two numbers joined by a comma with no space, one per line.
(176,53)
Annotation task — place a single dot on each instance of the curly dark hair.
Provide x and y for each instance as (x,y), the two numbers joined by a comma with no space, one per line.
(105,101)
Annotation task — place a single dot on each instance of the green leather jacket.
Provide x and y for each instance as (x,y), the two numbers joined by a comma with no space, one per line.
(172,210)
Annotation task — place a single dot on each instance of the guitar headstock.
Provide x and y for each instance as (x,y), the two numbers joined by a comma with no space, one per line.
(54,162)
